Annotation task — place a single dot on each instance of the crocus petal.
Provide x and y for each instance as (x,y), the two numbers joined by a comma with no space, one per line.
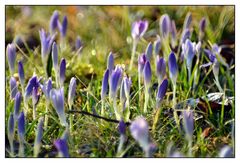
(185,35)
(122,127)
(226,151)
(21,126)
(62,147)
(10,127)
(62,71)
(115,81)
(127,85)
(13,87)
(139,28)
(187,21)
(21,73)
(142,59)
(55,56)
(157,45)
(202,25)
(160,68)
(162,89)
(17,104)
(164,25)
(147,74)
(173,67)
(54,21)
(78,43)
(71,91)
(63,30)
(11,53)
(110,62)
(105,84)
(188,123)
(149,50)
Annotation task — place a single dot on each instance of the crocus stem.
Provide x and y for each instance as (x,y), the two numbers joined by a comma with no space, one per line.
(174,104)
(11,148)
(218,84)
(133,53)
(120,146)
(190,147)
(155,120)
(21,149)
(102,109)
(34,112)
(139,90)
(127,114)
(46,114)
(146,99)
(118,117)
(71,119)
(189,74)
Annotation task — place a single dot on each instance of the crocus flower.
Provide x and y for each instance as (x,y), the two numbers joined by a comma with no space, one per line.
(202,27)
(71,91)
(55,56)
(188,50)
(149,50)
(160,68)
(46,43)
(21,73)
(226,151)
(122,127)
(35,96)
(110,62)
(63,27)
(62,71)
(173,67)
(62,147)
(21,126)
(11,131)
(157,45)
(187,21)
(142,59)
(13,87)
(127,85)
(147,74)
(165,25)
(162,89)
(11,53)
(33,82)
(185,35)
(188,123)
(17,104)
(38,137)
(104,84)
(57,97)
(78,43)
(54,21)
(139,131)
(173,34)
(139,28)
(115,81)
(46,88)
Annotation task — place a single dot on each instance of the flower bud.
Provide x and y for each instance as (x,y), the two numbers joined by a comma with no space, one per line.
(11,53)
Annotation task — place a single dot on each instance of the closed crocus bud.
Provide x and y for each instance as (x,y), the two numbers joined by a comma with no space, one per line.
(33,82)
(165,25)
(11,53)
(57,97)
(202,25)
(71,91)
(62,147)
(142,59)
(21,73)
(188,123)
(139,28)
(35,96)
(105,84)
(173,34)
(63,27)
(139,131)
(38,137)
(62,71)
(46,88)
(21,127)
(149,50)
(54,21)
(13,87)
(78,43)
(11,127)
(157,45)
(160,68)
(127,85)
(162,89)
(147,74)
(226,151)
(122,127)
(185,35)
(110,62)
(17,104)
(189,52)
(55,56)
(187,21)
(173,67)
(115,81)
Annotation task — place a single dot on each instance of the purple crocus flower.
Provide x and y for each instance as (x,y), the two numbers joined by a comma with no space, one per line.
(185,35)
(226,151)
(165,25)
(127,85)
(139,28)
(105,84)
(21,73)
(55,56)
(71,91)
(122,127)
(78,43)
(21,126)
(13,87)
(33,82)
(160,68)
(110,62)
(187,21)
(11,53)
(62,71)
(62,147)
(173,67)
(157,45)
(46,88)
(35,96)
(11,127)
(63,27)
(57,97)
(115,81)
(188,50)
(147,74)
(142,59)
(54,21)
(38,137)
(162,89)
(202,25)
(149,51)
(188,123)
(17,104)
(173,34)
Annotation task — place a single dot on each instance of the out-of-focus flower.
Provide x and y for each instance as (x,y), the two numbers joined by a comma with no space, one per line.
(46,88)
(11,53)
(142,59)
(62,147)
(160,68)
(38,137)
(162,89)
(17,103)
(173,34)
(54,21)
(71,91)
(115,81)
(105,84)
(187,21)
(21,73)
(57,97)
(226,151)
(55,56)
(63,27)
(139,28)
(13,87)
(62,71)
(78,43)
(176,155)
(21,127)
(122,127)
(185,35)
(188,123)
(202,27)
(173,67)
(157,45)
(149,51)
(147,74)
(165,24)
(11,128)
(110,62)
